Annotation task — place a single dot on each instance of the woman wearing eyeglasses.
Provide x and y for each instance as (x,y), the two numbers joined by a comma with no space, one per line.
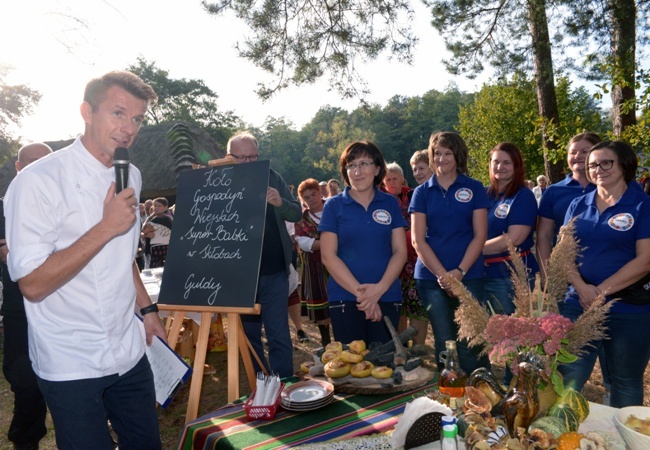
(612,225)
(363,247)
(449,228)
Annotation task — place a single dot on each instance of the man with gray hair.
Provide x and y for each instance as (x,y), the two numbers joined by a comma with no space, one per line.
(273,283)
(28,423)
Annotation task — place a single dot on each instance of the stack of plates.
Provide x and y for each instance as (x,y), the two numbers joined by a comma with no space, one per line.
(307,395)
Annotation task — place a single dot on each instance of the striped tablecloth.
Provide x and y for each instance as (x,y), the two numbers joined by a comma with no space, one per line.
(348,416)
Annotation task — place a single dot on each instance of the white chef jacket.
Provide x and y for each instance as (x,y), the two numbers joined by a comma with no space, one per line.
(86,328)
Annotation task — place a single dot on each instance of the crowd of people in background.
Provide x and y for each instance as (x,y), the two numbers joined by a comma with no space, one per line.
(354,253)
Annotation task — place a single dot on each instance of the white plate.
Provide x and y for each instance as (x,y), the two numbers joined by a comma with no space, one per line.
(307,391)
(297,407)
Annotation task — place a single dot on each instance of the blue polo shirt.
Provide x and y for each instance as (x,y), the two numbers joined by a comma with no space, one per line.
(519,209)
(557,198)
(364,239)
(608,240)
(449,222)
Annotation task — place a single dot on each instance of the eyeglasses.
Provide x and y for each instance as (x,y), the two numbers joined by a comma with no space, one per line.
(363,165)
(250,158)
(605,164)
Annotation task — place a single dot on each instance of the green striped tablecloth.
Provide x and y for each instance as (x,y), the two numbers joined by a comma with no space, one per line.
(348,416)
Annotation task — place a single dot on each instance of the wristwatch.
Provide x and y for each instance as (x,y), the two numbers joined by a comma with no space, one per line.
(462,272)
(149,309)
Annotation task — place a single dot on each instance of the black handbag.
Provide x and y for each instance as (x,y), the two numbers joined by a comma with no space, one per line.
(635,294)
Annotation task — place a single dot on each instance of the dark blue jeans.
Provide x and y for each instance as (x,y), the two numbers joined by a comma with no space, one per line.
(627,351)
(81,408)
(440,309)
(349,324)
(273,297)
(500,293)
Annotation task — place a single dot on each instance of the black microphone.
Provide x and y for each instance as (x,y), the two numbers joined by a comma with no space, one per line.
(121,164)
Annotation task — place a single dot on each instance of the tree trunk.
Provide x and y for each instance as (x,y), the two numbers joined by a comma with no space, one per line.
(544,78)
(623,18)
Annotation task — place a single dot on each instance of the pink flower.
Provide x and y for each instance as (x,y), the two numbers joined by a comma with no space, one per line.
(510,335)
(522,331)
(556,327)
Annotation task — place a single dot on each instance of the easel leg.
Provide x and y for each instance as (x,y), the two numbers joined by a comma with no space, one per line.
(234,326)
(199,364)
(238,343)
(175,329)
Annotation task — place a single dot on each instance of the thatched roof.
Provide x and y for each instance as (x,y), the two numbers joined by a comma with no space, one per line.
(151,153)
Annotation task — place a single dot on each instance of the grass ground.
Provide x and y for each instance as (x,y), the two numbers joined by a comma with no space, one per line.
(214,395)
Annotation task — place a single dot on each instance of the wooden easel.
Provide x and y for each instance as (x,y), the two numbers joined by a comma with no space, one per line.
(237,343)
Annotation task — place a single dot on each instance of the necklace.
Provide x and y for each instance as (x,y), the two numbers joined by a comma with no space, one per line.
(444,191)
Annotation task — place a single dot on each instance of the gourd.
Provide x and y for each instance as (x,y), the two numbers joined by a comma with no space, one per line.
(553,425)
(569,416)
(569,441)
(577,402)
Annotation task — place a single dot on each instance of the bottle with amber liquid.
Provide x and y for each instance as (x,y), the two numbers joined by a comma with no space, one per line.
(453,378)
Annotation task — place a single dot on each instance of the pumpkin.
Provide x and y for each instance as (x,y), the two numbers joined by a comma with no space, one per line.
(553,425)
(577,402)
(569,441)
(568,415)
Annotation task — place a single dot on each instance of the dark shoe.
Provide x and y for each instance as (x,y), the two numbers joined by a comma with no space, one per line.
(302,336)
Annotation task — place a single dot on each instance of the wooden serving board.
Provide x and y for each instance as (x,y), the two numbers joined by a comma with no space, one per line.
(414,379)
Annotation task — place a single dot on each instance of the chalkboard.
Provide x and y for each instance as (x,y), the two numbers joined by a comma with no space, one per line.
(213,259)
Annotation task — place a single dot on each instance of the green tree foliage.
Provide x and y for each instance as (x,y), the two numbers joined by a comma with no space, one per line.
(509,36)
(15,102)
(284,146)
(325,137)
(400,127)
(506,111)
(299,41)
(182,100)
(638,135)
(608,33)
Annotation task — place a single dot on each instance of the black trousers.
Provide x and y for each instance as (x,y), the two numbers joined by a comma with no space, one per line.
(28,423)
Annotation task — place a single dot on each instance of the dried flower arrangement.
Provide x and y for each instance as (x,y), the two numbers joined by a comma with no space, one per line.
(536,325)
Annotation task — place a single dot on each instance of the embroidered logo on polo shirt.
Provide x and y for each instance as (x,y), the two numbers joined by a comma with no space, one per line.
(382,216)
(502,211)
(464,195)
(621,222)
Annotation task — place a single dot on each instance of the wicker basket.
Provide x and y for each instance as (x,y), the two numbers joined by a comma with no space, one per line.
(263,412)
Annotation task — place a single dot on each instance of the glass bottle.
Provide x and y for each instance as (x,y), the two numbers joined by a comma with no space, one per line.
(449,440)
(453,378)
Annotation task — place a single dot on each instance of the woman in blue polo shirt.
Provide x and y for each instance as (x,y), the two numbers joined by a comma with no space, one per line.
(448,229)
(558,197)
(613,228)
(512,215)
(363,246)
